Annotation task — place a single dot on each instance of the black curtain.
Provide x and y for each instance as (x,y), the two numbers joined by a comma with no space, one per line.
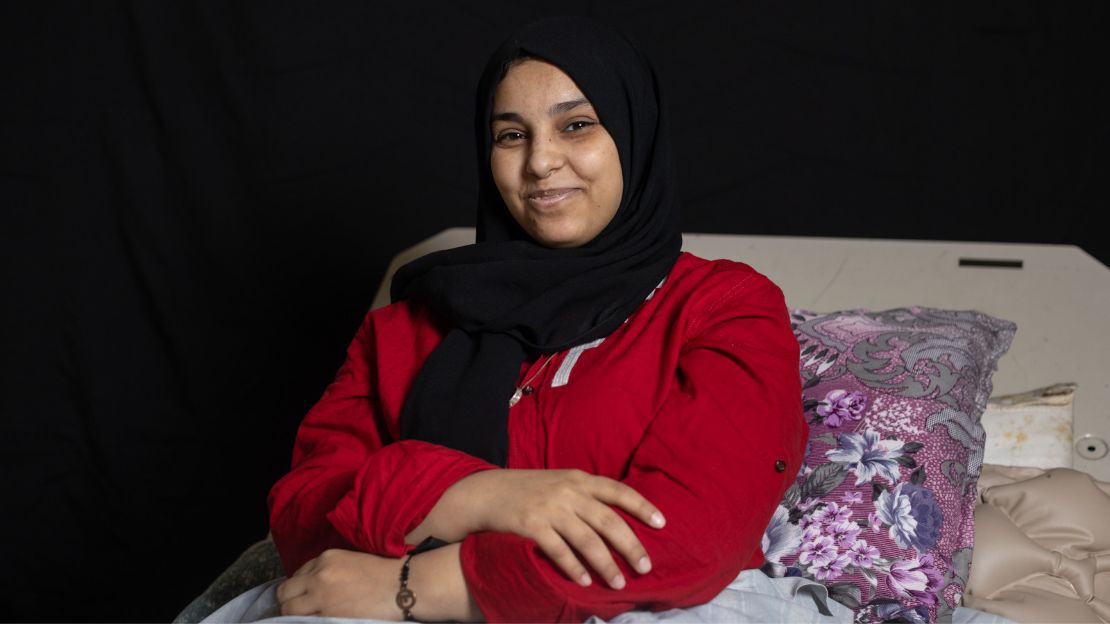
(198,200)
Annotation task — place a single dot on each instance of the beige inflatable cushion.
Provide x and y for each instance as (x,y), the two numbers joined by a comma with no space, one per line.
(1042,546)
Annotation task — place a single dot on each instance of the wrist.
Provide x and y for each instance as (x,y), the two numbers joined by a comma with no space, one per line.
(437,582)
(467,501)
(457,513)
(404,600)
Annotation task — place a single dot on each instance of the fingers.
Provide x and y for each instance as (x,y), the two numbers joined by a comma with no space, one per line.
(556,548)
(610,526)
(292,596)
(299,606)
(628,499)
(597,525)
(576,519)
(290,588)
(586,539)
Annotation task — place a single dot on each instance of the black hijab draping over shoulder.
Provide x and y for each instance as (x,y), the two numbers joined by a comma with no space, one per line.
(509,299)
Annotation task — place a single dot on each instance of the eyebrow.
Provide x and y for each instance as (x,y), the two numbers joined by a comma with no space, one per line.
(563,107)
(556,109)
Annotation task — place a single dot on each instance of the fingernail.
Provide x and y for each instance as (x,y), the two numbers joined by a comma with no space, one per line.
(585,580)
(657,520)
(643,565)
(617,582)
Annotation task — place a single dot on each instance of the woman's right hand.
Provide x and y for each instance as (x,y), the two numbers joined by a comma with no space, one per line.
(565,512)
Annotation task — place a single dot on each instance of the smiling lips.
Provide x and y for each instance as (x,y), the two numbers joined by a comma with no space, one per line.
(549,197)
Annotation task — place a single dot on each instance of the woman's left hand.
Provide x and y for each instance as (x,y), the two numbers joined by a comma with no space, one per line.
(343,583)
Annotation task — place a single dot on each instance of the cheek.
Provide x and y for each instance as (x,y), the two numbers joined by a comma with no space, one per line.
(606,178)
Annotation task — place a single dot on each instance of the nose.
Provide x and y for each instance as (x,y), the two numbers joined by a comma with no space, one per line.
(545,156)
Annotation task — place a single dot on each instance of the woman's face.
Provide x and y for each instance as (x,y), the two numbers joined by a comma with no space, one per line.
(555,165)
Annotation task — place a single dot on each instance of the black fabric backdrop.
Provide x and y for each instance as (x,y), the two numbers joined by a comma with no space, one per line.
(199,199)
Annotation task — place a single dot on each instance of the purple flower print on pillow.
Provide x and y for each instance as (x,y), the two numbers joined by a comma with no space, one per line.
(830,569)
(852,498)
(840,406)
(819,550)
(833,546)
(913,515)
(915,578)
(867,455)
(822,556)
(831,514)
(862,554)
(875,522)
(843,533)
(894,612)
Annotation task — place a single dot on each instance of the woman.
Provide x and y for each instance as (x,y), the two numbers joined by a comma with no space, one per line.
(591,421)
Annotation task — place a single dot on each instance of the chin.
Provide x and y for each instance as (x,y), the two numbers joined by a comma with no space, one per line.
(559,237)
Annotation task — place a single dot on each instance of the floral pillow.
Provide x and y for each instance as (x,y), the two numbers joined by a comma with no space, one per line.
(883,508)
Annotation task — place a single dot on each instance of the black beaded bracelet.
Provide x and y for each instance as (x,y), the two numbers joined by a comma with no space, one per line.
(406,600)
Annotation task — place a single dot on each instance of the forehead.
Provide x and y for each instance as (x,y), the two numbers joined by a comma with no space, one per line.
(534,84)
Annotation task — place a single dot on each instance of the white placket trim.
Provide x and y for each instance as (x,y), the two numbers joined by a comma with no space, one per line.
(562,376)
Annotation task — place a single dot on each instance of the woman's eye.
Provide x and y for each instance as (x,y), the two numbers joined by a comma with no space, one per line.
(508,136)
(578,125)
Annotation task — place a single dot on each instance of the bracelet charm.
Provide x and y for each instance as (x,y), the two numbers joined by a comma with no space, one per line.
(406,599)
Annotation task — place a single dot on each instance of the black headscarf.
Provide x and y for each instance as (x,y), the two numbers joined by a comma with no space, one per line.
(507,298)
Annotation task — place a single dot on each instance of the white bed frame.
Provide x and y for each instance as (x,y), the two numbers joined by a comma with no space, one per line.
(1058,295)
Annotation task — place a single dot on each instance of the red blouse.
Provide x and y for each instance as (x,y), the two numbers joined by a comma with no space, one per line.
(695,402)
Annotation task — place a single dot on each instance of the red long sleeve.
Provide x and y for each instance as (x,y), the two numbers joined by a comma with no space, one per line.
(351,485)
(708,461)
